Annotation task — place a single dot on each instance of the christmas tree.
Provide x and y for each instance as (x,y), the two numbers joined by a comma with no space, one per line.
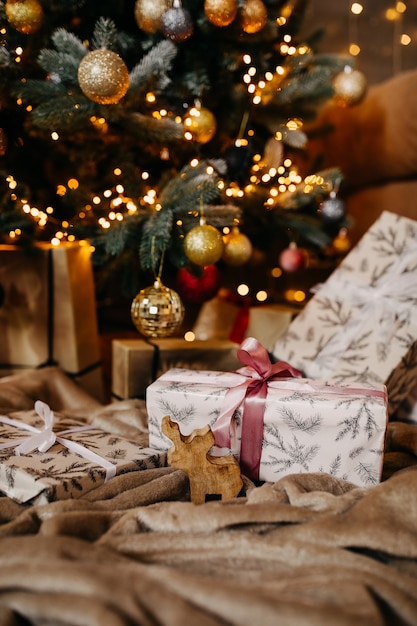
(165,133)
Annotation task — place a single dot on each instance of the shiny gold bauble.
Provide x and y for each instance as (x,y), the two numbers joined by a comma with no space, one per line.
(200,123)
(26,16)
(157,311)
(203,245)
(253,16)
(103,76)
(349,87)
(341,243)
(220,12)
(148,14)
(237,248)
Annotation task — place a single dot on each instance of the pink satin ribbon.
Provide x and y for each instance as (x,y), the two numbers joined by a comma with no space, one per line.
(252,392)
(260,374)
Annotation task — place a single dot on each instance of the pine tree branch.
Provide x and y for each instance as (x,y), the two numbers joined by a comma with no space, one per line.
(156,237)
(66,112)
(146,128)
(60,64)
(105,35)
(68,44)
(156,63)
(37,91)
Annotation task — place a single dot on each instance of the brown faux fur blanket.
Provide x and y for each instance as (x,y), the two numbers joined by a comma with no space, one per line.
(307,550)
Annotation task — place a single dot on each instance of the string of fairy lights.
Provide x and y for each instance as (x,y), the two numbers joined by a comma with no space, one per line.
(259,89)
(120,206)
(394,14)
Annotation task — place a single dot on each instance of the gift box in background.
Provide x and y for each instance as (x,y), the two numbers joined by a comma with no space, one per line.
(82,458)
(300,426)
(136,363)
(222,318)
(48,312)
(361,325)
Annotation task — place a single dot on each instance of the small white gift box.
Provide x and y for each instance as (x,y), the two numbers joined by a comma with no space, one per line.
(47,457)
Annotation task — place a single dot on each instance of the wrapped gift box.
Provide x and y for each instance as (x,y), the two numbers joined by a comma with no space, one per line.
(48,312)
(136,363)
(301,426)
(361,325)
(81,459)
(223,319)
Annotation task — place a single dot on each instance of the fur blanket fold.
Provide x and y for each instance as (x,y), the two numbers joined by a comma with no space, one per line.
(308,550)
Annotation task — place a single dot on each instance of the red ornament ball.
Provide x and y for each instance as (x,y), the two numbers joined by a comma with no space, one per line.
(198,287)
(292,259)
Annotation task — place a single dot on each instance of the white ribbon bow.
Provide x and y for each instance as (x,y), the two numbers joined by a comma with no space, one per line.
(43,439)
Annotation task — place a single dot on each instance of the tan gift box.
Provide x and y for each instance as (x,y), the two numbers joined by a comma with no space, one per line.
(136,363)
(48,312)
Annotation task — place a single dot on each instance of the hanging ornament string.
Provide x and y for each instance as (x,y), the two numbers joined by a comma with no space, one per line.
(161,262)
(243,125)
(157,311)
(333,210)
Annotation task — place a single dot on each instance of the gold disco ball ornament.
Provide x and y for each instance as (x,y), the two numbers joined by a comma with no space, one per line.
(103,76)
(203,245)
(220,13)
(157,311)
(26,16)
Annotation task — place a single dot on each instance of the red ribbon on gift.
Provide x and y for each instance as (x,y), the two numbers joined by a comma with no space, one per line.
(252,393)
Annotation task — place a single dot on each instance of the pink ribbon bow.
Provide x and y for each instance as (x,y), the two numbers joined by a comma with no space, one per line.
(252,392)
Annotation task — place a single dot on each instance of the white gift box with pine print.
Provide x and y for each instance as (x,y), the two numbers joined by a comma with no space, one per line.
(361,326)
(300,426)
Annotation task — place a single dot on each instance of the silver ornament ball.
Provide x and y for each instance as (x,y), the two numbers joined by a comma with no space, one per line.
(176,24)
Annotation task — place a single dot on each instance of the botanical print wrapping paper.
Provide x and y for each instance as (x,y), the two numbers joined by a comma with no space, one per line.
(308,426)
(361,326)
(59,473)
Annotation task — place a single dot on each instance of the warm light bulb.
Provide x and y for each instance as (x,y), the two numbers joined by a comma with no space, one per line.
(356,8)
(354,49)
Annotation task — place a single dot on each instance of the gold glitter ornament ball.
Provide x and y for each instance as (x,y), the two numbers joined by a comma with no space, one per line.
(148,14)
(349,87)
(157,311)
(237,248)
(221,13)
(253,16)
(200,123)
(26,16)
(103,76)
(203,245)
(341,243)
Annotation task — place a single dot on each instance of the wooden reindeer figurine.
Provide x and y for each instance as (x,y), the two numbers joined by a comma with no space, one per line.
(208,475)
